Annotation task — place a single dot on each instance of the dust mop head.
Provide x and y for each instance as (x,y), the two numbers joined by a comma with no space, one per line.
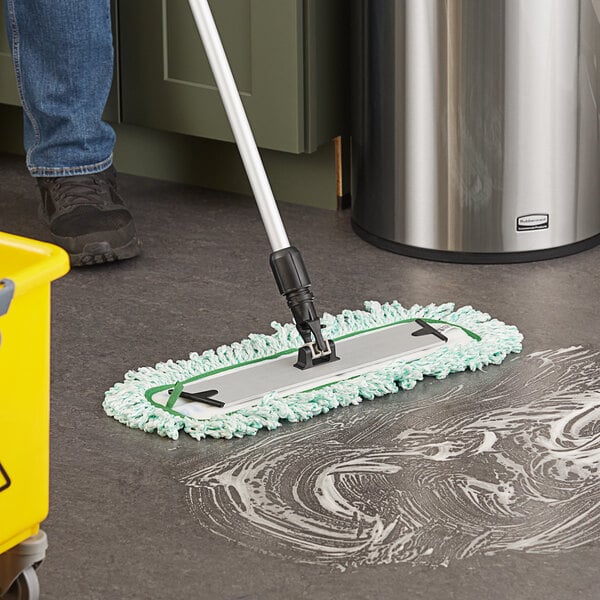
(137,403)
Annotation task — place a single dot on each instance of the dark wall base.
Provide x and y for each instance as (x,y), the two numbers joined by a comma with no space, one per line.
(307,179)
(476,257)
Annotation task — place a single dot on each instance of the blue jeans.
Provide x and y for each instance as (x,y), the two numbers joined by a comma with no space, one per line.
(63,58)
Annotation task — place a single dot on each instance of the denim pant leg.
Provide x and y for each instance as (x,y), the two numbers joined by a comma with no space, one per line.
(63,58)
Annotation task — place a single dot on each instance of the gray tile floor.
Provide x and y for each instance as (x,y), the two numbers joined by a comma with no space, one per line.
(132,514)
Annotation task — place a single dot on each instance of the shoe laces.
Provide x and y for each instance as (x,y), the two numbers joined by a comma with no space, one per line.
(80,190)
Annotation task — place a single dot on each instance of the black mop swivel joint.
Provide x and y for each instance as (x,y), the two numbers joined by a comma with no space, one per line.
(293,283)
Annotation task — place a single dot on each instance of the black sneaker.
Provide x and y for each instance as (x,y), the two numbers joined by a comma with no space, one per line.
(88,218)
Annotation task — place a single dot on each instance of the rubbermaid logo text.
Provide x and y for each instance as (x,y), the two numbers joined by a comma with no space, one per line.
(531,222)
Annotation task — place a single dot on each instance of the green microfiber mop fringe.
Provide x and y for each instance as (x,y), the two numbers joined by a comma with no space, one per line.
(128,403)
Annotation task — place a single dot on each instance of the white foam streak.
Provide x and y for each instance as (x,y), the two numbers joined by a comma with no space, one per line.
(513,465)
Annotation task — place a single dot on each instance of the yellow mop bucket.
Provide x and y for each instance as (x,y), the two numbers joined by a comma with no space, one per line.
(27,268)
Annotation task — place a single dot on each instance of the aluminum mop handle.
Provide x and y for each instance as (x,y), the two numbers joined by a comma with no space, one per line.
(286,261)
(240,125)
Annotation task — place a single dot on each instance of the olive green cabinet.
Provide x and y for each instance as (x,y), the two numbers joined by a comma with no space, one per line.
(8,84)
(288,59)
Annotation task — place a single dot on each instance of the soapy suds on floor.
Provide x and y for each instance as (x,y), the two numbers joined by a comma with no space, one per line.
(510,465)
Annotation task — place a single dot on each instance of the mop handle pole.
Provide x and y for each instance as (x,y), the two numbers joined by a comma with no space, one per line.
(240,125)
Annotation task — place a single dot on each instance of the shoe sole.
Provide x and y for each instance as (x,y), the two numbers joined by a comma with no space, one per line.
(97,253)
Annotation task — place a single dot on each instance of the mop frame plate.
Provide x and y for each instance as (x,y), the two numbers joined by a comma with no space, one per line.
(260,387)
(245,385)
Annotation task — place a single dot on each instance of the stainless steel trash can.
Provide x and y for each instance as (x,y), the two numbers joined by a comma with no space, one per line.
(476,129)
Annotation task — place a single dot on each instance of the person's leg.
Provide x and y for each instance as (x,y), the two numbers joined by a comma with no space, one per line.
(63,58)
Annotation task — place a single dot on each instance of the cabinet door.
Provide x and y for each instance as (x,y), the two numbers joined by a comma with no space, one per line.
(8,83)
(167,82)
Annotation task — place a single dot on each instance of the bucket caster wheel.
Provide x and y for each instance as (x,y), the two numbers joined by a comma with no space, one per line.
(25,587)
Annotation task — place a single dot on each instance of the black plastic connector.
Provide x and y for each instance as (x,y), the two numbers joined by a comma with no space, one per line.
(307,357)
(205,397)
(293,283)
(427,329)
